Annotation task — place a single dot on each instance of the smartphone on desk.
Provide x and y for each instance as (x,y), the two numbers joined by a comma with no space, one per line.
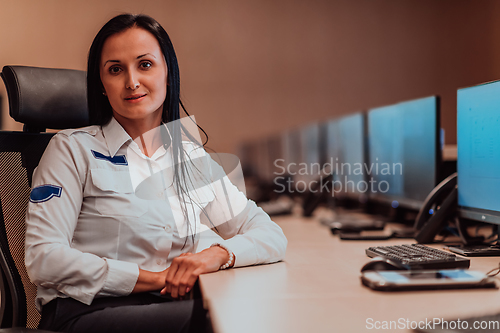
(426,279)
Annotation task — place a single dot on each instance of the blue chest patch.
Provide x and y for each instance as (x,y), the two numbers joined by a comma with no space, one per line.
(117,159)
(45,193)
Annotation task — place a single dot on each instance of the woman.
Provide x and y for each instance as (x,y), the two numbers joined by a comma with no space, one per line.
(105,258)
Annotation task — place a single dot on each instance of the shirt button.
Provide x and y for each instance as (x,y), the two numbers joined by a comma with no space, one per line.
(168,228)
(159,194)
(159,261)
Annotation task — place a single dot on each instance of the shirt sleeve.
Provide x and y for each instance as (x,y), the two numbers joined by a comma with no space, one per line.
(247,230)
(207,237)
(52,215)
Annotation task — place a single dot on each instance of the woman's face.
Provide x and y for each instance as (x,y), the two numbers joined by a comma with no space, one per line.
(134,75)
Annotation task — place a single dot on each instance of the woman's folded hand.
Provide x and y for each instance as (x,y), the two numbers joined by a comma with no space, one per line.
(185,269)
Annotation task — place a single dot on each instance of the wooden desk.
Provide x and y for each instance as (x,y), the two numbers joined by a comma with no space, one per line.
(317,289)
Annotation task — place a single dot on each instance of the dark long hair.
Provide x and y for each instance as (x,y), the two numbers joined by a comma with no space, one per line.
(100,110)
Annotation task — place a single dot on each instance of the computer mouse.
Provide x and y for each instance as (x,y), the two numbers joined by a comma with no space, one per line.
(383,264)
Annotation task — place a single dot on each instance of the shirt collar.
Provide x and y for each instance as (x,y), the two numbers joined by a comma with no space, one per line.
(115,136)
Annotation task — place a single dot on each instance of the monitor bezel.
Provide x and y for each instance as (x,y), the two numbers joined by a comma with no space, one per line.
(479,215)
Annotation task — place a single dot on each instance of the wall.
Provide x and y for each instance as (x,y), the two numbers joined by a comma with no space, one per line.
(250,68)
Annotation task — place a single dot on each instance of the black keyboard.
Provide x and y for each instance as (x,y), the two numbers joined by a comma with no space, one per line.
(418,256)
(488,323)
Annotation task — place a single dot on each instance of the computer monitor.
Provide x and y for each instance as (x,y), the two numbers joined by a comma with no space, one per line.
(332,142)
(309,167)
(349,175)
(478,162)
(247,152)
(275,153)
(270,150)
(404,152)
(292,155)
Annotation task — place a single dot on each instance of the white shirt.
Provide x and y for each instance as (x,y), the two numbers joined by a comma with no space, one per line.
(89,231)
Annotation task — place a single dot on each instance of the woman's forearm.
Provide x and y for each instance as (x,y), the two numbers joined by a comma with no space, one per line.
(149,281)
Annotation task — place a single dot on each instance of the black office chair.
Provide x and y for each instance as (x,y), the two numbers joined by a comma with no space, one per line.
(39,98)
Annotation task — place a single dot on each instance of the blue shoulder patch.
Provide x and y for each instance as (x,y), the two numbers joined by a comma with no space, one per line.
(117,159)
(45,193)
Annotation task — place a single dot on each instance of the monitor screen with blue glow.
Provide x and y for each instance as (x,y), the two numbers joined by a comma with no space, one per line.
(478,143)
(332,146)
(348,164)
(404,152)
(310,146)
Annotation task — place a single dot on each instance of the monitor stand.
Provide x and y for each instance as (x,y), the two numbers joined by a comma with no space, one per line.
(475,246)
(469,240)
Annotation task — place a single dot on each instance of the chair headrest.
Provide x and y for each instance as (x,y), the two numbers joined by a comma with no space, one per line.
(47,97)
